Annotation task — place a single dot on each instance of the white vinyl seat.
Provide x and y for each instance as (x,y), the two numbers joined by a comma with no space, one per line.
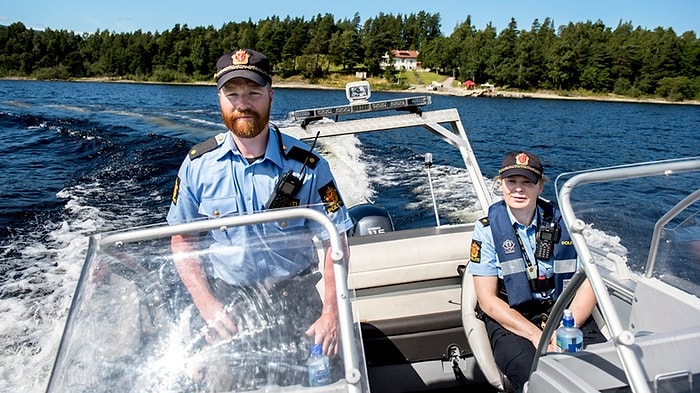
(478,339)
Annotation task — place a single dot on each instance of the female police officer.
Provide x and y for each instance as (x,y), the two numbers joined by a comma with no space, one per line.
(521,258)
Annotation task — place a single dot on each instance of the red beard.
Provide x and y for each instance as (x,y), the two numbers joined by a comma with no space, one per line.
(246,129)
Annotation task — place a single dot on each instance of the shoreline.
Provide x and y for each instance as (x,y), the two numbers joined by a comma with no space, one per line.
(461,92)
(453,91)
(608,98)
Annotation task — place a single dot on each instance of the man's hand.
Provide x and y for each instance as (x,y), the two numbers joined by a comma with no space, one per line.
(325,331)
(219,325)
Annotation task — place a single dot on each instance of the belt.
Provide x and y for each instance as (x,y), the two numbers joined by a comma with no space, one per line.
(273,282)
(223,289)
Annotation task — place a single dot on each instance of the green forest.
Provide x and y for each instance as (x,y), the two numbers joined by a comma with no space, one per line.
(578,56)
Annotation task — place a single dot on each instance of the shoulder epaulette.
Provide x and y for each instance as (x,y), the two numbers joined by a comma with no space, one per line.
(298,154)
(484,221)
(199,149)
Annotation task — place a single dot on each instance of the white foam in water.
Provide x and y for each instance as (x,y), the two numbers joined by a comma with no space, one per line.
(457,202)
(34,325)
(33,320)
(344,157)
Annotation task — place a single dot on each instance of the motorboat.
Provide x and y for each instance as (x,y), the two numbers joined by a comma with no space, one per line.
(405,301)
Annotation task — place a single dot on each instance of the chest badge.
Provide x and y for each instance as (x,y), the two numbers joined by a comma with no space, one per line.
(508,246)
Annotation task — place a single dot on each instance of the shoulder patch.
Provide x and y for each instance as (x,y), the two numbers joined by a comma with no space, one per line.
(484,221)
(330,197)
(475,252)
(199,149)
(176,190)
(298,154)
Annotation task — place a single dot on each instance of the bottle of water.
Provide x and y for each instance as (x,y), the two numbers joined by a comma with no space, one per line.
(569,337)
(319,367)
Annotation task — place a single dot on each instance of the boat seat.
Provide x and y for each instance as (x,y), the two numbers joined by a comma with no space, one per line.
(475,330)
(478,339)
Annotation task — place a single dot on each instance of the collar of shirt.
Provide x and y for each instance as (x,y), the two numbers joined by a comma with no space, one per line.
(273,151)
(533,223)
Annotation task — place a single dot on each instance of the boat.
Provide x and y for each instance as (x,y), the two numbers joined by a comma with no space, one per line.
(406,303)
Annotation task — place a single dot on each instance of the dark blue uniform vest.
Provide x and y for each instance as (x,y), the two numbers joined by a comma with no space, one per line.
(511,258)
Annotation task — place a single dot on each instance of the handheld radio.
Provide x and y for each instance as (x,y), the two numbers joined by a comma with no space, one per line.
(288,185)
(283,195)
(547,235)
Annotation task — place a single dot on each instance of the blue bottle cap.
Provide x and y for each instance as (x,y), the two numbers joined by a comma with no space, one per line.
(317,349)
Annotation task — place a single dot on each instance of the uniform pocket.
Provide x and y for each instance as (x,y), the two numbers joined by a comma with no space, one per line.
(219,207)
(290,224)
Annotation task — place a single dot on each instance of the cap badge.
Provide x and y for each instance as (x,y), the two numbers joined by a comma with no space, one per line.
(240,57)
(522,159)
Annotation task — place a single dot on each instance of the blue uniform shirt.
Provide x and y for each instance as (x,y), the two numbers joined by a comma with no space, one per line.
(221,183)
(490,266)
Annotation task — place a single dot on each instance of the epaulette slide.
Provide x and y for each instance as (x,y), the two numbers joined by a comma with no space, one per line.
(484,221)
(199,149)
(304,156)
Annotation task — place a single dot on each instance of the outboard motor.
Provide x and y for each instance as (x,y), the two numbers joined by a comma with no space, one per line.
(369,219)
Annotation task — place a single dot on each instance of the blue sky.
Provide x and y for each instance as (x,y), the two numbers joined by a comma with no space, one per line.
(158,15)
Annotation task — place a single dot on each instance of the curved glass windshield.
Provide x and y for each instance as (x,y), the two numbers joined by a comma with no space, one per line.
(134,327)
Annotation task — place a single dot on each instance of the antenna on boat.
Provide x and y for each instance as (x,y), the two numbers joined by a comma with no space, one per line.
(428,164)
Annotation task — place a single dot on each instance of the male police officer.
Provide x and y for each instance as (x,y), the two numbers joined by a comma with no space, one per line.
(237,172)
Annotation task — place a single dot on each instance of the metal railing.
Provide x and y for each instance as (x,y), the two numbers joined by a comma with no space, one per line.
(623,339)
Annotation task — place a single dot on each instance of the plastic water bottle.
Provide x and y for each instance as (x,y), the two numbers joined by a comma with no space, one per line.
(319,367)
(569,337)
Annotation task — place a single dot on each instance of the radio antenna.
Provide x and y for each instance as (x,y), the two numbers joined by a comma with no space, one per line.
(428,164)
(303,168)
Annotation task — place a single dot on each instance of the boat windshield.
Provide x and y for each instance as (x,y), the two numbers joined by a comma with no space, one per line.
(133,325)
(664,245)
(678,258)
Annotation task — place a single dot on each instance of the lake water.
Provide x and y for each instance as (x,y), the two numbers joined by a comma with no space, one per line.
(80,158)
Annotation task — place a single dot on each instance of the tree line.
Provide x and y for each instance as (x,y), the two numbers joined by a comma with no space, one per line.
(588,56)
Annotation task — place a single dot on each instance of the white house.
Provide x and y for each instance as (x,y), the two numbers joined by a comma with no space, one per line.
(401,59)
